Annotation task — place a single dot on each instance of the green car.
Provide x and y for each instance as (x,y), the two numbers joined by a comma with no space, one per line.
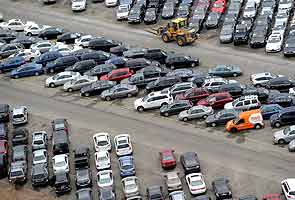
(225,71)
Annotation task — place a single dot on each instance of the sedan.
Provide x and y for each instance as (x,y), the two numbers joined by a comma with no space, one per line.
(20,136)
(119,91)
(195,112)
(60,163)
(30,69)
(268,110)
(100,70)
(3,147)
(84,194)
(130,186)
(61,78)
(83,178)
(126,166)
(155,193)
(274,43)
(213,20)
(105,179)
(190,162)
(40,157)
(11,63)
(284,136)
(151,16)
(168,10)
(167,159)
(123,145)
(216,100)
(196,183)
(96,88)
(291,146)
(183,11)
(102,142)
(221,188)
(102,160)
(78,83)
(175,108)
(221,118)
(172,181)
(225,71)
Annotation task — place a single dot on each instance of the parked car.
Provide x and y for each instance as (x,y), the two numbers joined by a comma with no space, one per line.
(193,95)
(123,12)
(4,113)
(39,140)
(225,71)
(123,145)
(183,73)
(151,16)
(280,83)
(130,186)
(190,162)
(102,44)
(196,112)
(29,69)
(126,166)
(172,181)
(107,194)
(60,124)
(216,100)
(155,193)
(40,157)
(167,159)
(100,70)
(20,136)
(213,20)
(291,146)
(119,91)
(284,136)
(39,175)
(174,61)
(62,183)
(102,142)
(105,179)
(259,79)
(177,195)
(287,186)
(196,183)
(60,63)
(85,193)
(96,88)
(50,33)
(221,117)
(3,131)
(117,74)
(42,46)
(283,99)
(61,78)
(79,83)
(244,103)
(136,14)
(175,108)
(60,142)
(221,188)
(102,160)
(60,164)
(168,10)
(19,153)
(82,161)
(162,83)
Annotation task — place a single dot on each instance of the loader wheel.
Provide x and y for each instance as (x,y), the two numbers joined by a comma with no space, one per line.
(165,38)
(180,41)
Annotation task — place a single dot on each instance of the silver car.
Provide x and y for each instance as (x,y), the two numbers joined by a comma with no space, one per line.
(291,146)
(195,112)
(172,181)
(284,136)
(119,91)
(130,186)
(79,82)
(39,140)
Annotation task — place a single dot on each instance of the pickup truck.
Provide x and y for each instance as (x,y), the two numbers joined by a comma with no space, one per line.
(18,172)
(140,80)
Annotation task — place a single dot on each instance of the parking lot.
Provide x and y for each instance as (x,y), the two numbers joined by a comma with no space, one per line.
(253,164)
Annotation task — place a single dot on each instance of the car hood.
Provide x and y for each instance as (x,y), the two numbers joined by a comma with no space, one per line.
(49,79)
(279,134)
(150,85)
(68,84)
(183,114)
(122,14)
(228,105)
(106,93)
(274,117)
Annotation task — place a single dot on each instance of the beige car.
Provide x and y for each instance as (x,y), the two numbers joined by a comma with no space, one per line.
(172,181)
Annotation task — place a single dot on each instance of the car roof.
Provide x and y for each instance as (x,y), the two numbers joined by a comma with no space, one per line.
(19,110)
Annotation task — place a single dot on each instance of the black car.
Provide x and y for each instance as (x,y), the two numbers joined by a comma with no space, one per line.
(68,37)
(175,108)
(98,56)
(3,131)
(82,66)
(201,197)
(134,53)
(162,83)
(241,35)
(258,39)
(25,41)
(156,55)
(47,57)
(3,165)
(248,197)
(212,20)
(102,44)
(7,36)
(39,175)
(174,61)
(4,113)
(153,71)
(80,52)
(183,73)
(289,48)
(84,194)
(283,84)
(151,16)
(262,93)
(60,142)
(60,64)
(155,193)
(183,11)
(139,63)
(198,79)
(20,136)
(190,162)
(81,156)
(106,194)
(100,70)
(284,117)
(8,49)
(19,153)
(96,88)
(283,99)
(118,50)
(221,117)
(62,183)
(221,188)
(168,10)
(235,89)
(83,178)
(136,14)
(50,33)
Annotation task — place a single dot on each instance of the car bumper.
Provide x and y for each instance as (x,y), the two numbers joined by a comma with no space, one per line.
(109,4)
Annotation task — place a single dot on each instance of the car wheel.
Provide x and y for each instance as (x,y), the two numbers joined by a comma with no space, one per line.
(193,64)
(233,130)
(172,67)
(87,94)
(70,90)
(164,104)
(52,85)
(16,76)
(258,85)
(129,95)
(257,126)
(205,117)
(166,114)
(180,41)
(108,98)
(51,70)
(45,38)
(185,119)
(1,71)
(277,124)
(165,38)
(213,124)
(37,74)
(140,109)
(281,141)
(29,34)
(235,74)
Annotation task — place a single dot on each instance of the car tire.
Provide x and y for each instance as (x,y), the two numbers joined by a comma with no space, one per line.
(29,34)
(185,119)
(205,116)
(70,90)
(164,104)
(140,109)
(51,70)
(16,76)
(86,94)
(166,114)
(235,74)
(213,124)
(193,64)
(165,38)
(172,67)
(180,41)
(108,98)
(281,142)
(1,71)
(257,126)
(277,124)
(129,95)
(258,85)
(52,85)
(37,74)
(233,130)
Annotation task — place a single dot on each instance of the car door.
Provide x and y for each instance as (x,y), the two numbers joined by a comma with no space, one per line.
(79,84)
(196,113)
(290,136)
(120,92)
(247,105)
(226,117)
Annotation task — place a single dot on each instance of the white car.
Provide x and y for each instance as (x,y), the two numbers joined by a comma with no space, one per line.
(260,78)
(196,183)
(250,10)
(123,12)
(288,188)
(60,163)
(27,54)
(20,115)
(102,142)
(78,83)
(34,29)
(274,43)
(42,46)
(79,5)
(105,179)
(153,100)
(110,3)
(123,145)
(61,78)
(83,41)
(130,186)
(40,157)
(102,160)
(13,24)
(212,83)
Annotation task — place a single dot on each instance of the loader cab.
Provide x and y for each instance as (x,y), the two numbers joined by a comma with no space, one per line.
(177,24)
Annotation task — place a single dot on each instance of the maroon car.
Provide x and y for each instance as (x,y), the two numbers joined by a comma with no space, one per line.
(216,100)
(167,159)
(194,95)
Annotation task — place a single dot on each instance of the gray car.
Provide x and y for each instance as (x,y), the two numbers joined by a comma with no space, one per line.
(226,33)
(39,140)
(79,82)
(225,71)
(172,181)
(284,136)
(291,146)
(119,91)
(195,112)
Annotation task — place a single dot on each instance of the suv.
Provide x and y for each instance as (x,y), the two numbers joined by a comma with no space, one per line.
(4,112)
(244,103)
(39,175)
(139,63)
(221,188)
(280,83)
(156,54)
(39,140)
(288,188)
(284,117)
(179,61)
(20,115)
(62,183)
(153,100)
(162,83)
(82,66)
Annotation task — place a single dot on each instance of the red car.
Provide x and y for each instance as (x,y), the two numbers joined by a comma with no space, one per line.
(167,159)
(194,95)
(216,100)
(219,6)
(271,197)
(3,147)
(117,75)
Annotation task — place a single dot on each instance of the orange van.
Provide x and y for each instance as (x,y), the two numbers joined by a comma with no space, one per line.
(246,120)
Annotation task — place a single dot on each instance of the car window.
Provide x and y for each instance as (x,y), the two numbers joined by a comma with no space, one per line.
(247,102)
(239,104)
(197,111)
(254,101)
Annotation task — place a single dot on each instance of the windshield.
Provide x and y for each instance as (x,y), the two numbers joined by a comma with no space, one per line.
(219,5)
(18,116)
(286,130)
(60,164)
(174,180)
(126,167)
(197,183)
(16,173)
(122,10)
(131,186)
(104,180)
(102,143)
(102,159)
(121,146)
(168,157)
(274,40)
(145,98)
(39,158)
(55,77)
(38,142)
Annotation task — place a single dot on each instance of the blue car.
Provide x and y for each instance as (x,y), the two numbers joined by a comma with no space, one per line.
(126,166)
(118,61)
(47,57)
(268,110)
(30,69)
(11,63)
